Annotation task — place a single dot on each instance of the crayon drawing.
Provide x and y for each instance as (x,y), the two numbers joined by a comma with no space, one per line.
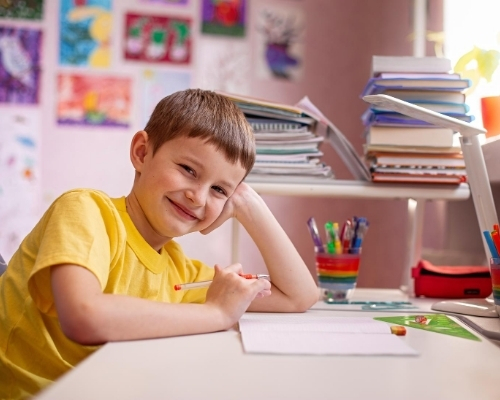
(25,9)
(223,17)
(85,29)
(158,84)
(281,43)
(93,100)
(226,66)
(157,39)
(19,176)
(19,65)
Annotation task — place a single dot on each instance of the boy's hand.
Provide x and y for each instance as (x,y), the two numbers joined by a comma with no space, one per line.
(239,202)
(232,294)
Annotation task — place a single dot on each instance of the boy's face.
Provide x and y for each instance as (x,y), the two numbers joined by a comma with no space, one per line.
(184,186)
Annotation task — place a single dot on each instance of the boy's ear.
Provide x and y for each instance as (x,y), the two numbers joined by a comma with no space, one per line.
(139,147)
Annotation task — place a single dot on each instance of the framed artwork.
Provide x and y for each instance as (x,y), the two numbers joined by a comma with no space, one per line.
(157,39)
(93,100)
(224,17)
(19,65)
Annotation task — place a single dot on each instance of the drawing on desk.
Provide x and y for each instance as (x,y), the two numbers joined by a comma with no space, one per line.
(438,323)
(303,334)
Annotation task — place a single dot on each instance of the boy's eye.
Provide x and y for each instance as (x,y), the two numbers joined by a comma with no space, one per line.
(219,189)
(188,169)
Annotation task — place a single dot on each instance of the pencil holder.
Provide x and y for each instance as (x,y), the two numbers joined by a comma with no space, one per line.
(337,275)
(495,280)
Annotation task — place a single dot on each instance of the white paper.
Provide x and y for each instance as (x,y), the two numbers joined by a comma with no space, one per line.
(319,335)
(339,142)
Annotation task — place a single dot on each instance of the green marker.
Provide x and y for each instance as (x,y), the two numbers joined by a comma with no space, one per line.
(330,237)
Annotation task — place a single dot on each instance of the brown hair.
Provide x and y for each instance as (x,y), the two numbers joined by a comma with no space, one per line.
(207,115)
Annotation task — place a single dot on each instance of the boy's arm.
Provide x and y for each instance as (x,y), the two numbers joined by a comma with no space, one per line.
(88,316)
(293,287)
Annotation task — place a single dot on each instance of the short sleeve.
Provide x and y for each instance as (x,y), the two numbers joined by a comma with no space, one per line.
(202,273)
(81,228)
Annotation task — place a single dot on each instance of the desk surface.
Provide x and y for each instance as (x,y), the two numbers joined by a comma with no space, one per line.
(214,366)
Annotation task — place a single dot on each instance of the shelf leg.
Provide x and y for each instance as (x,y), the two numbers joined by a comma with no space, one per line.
(416,211)
(235,240)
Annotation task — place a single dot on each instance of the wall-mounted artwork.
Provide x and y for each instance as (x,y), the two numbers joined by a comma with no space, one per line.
(85,29)
(224,17)
(157,39)
(155,85)
(93,100)
(226,65)
(19,176)
(19,65)
(25,9)
(280,45)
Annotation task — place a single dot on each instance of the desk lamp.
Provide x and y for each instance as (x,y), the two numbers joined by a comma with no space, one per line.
(478,180)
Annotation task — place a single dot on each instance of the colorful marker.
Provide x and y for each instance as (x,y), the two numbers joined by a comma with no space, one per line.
(313,230)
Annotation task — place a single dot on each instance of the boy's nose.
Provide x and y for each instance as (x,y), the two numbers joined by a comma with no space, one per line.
(197,195)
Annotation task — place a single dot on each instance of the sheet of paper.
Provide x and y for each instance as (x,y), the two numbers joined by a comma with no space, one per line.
(319,335)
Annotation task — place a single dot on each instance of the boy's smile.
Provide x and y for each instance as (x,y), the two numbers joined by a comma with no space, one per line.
(181,189)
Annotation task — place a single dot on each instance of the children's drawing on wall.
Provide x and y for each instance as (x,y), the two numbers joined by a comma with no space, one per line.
(157,39)
(19,176)
(156,85)
(224,17)
(85,29)
(280,44)
(19,65)
(25,9)
(92,100)
(225,65)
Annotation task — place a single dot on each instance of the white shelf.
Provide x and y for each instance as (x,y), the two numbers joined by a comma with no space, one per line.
(363,190)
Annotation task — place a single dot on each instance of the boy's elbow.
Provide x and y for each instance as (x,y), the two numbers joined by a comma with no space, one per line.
(83,327)
(306,300)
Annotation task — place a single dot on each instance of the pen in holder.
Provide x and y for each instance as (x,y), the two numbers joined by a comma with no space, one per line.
(337,275)
(495,280)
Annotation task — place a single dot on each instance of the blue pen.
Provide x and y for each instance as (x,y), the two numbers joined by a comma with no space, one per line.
(313,230)
(491,245)
(359,231)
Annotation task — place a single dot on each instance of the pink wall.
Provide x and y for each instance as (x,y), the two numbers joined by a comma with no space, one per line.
(341,38)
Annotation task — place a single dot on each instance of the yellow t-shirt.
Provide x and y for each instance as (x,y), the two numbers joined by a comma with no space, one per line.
(86,228)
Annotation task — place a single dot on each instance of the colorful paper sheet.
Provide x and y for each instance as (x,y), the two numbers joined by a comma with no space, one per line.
(280,42)
(438,323)
(93,100)
(31,9)
(158,84)
(224,17)
(85,29)
(19,65)
(157,38)
(19,176)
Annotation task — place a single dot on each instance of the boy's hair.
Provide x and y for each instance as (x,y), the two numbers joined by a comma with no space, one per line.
(207,115)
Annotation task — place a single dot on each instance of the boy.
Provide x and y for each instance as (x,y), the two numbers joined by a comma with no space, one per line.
(96,269)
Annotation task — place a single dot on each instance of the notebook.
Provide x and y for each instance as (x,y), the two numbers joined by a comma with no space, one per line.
(305,334)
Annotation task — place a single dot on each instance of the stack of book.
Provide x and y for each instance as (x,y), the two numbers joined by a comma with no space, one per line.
(402,149)
(286,143)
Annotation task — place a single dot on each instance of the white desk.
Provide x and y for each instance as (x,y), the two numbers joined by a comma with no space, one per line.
(214,366)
